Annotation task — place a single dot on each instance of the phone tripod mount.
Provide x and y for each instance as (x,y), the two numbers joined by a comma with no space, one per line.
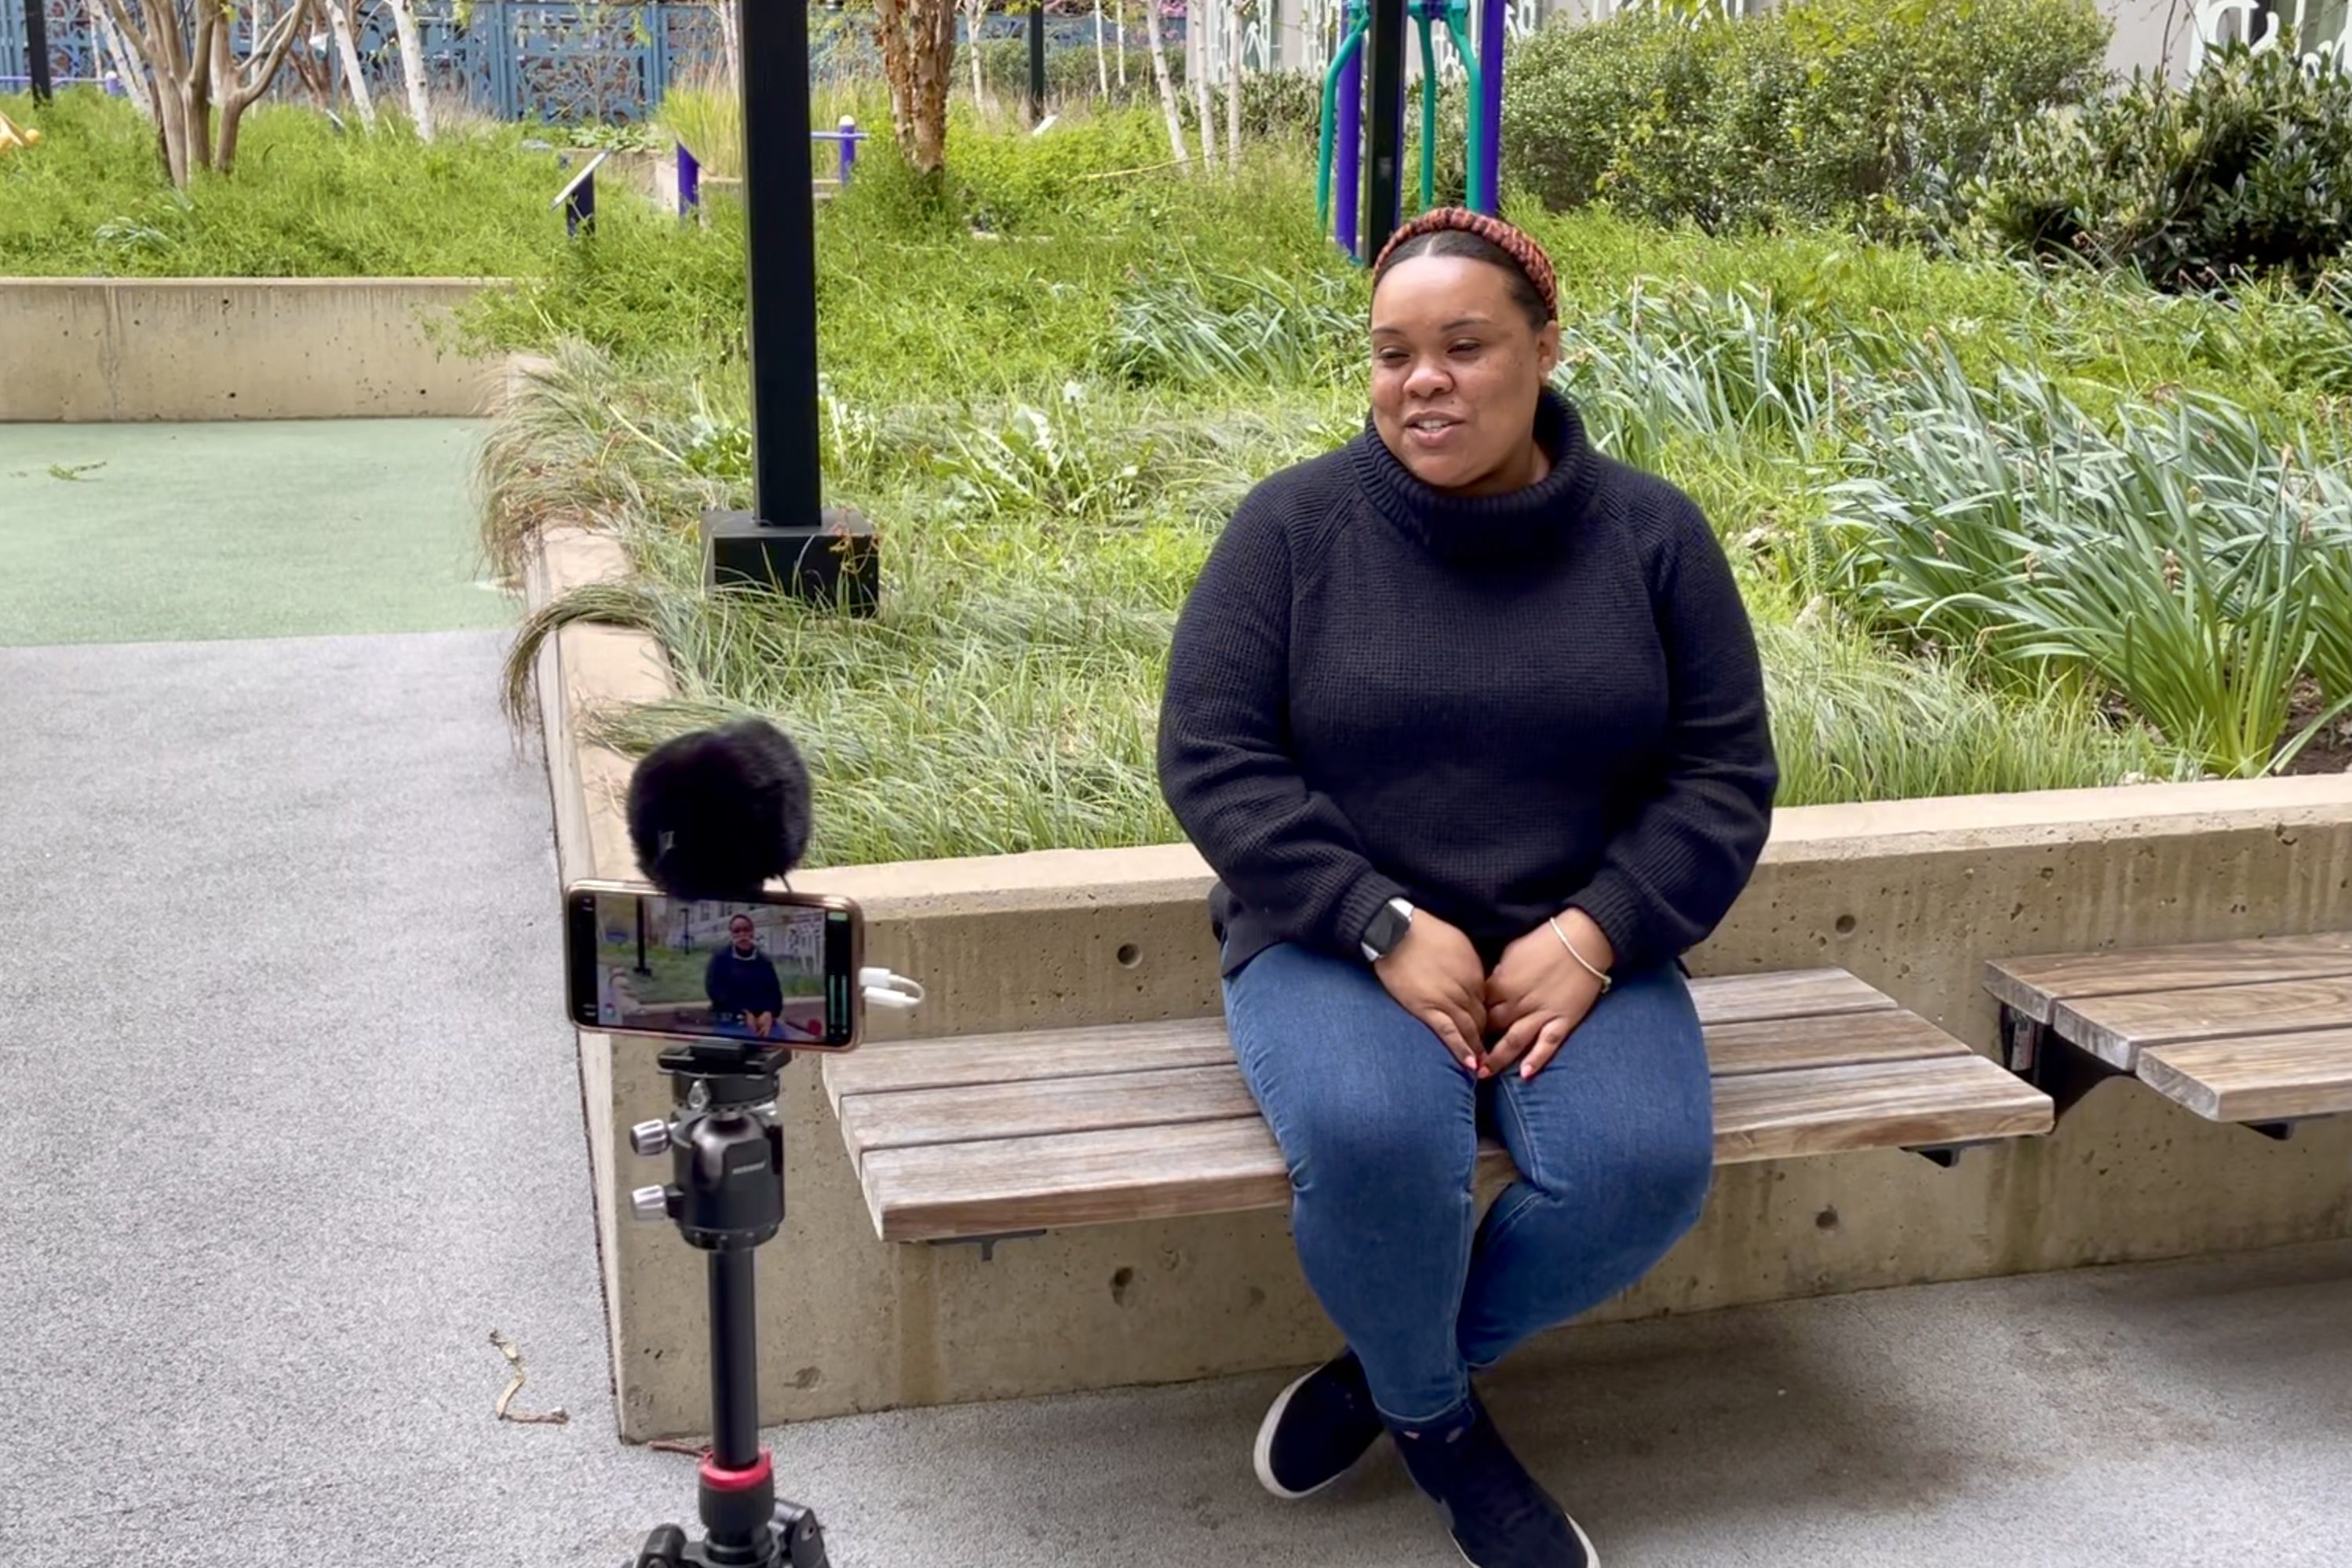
(726,1196)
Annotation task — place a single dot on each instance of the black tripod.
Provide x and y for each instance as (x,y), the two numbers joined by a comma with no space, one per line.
(727,1194)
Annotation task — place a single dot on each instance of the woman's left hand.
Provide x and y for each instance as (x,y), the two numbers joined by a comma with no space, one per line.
(1538,993)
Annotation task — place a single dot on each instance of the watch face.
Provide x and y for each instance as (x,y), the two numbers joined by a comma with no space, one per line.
(1387,930)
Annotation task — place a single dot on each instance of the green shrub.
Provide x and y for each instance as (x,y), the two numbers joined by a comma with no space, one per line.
(1814,110)
(2246,171)
(1069,73)
(1280,104)
(305,201)
(2187,558)
(1023,180)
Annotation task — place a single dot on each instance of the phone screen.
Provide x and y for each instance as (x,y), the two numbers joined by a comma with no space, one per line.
(712,968)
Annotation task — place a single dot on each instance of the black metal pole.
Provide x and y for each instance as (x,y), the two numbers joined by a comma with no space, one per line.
(1037,60)
(37,48)
(788,541)
(734,1360)
(1384,159)
(779,209)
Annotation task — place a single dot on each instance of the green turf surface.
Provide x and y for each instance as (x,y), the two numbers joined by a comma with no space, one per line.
(175,532)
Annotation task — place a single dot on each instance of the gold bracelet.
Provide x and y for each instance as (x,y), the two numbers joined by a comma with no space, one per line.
(1605,980)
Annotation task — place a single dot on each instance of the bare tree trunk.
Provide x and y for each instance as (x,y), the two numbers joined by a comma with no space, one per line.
(196,84)
(123,61)
(185,78)
(412,66)
(917,39)
(1122,42)
(1167,105)
(1102,56)
(1233,89)
(974,12)
(935,68)
(730,44)
(243,83)
(347,44)
(1198,51)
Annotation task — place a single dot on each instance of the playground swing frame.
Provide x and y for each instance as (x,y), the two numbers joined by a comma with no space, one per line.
(1343,155)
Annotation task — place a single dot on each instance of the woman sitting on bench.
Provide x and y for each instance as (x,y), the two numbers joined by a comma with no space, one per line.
(1468,720)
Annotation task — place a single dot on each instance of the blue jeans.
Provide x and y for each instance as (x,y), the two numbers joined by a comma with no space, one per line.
(1379,1124)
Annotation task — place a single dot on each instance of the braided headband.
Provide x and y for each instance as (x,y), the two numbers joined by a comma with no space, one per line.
(1514,243)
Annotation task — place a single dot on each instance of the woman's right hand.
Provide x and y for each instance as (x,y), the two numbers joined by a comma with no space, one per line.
(1436,975)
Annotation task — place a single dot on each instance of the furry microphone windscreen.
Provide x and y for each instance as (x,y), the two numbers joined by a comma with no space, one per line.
(716,814)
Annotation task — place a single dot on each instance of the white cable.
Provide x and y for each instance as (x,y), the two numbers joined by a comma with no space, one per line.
(884,988)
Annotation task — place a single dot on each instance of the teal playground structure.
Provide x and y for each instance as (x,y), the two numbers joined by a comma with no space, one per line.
(1368,158)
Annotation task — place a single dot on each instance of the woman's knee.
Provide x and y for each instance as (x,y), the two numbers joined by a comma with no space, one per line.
(1676,1177)
(1359,1095)
(1366,1138)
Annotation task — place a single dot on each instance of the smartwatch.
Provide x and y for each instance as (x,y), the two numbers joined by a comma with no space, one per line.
(1387,929)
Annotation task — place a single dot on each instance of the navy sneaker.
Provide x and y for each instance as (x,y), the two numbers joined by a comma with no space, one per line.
(1316,1430)
(1500,1515)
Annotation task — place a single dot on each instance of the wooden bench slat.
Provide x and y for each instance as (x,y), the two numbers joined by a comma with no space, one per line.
(2035,983)
(981,1112)
(1961,1098)
(1742,1005)
(2258,1077)
(940,1191)
(2116,1028)
(1167,1096)
(1041,1054)
(1790,993)
(1781,1044)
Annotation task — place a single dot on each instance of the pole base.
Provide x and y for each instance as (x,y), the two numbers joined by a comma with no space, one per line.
(832,561)
(793,1539)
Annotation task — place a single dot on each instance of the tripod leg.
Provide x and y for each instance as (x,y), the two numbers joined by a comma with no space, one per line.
(799,1539)
(665,1548)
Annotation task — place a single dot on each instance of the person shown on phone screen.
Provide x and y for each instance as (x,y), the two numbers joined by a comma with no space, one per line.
(741,982)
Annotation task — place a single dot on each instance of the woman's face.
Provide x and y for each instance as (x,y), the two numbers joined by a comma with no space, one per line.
(1455,373)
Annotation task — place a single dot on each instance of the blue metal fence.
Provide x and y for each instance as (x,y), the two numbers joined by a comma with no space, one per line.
(524,60)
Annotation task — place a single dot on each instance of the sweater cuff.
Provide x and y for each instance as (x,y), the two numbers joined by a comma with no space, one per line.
(1357,908)
(1616,909)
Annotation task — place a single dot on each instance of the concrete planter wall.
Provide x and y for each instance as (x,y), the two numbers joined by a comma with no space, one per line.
(99,349)
(1912,897)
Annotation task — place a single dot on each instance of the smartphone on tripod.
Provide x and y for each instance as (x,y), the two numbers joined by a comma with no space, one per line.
(780,969)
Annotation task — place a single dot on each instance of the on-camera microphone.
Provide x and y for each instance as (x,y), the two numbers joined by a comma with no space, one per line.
(717,813)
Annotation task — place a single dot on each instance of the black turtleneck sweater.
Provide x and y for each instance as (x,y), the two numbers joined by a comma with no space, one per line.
(1497,707)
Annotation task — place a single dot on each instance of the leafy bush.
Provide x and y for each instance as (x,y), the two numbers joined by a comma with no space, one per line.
(1284,103)
(1069,73)
(306,200)
(1024,181)
(1813,110)
(1275,104)
(2247,170)
(2186,559)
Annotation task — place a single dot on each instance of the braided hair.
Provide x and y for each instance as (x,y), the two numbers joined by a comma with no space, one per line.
(1458,231)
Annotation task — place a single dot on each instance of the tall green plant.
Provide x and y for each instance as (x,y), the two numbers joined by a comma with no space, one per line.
(2180,559)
